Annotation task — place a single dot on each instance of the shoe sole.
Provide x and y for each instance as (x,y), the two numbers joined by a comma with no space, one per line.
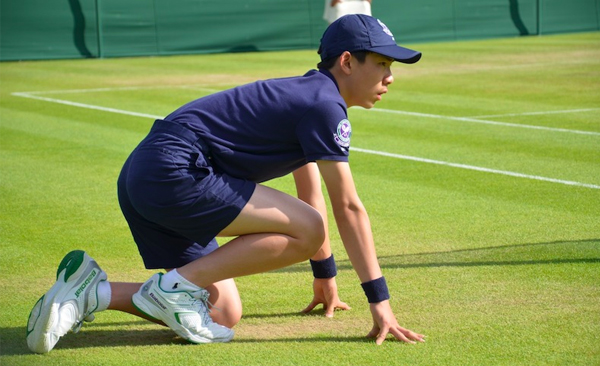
(44,316)
(139,302)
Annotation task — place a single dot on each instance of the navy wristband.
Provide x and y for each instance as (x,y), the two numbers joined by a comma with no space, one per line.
(324,268)
(376,290)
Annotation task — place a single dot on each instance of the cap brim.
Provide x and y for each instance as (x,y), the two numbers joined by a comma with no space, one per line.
(400,54)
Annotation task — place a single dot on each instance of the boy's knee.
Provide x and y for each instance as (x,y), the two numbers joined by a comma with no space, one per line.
(227,317)
(225,298)
(312,233)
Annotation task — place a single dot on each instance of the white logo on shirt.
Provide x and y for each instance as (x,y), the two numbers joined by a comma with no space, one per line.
(343,133)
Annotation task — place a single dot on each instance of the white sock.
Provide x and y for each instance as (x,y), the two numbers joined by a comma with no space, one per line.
(104,295)
(174,281)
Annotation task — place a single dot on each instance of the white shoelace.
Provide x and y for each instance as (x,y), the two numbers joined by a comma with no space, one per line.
(202,296)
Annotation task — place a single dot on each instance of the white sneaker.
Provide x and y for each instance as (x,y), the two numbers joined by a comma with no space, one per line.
(184,312)
(70,301)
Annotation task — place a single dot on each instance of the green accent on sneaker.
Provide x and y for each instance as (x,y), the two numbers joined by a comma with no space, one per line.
(145,294)
(71,263)
(186,313)
(75,291)
(34,314)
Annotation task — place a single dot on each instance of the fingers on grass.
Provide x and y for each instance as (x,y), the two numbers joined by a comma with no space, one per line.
(400,334)
(404,338)
(344,306)
(332,308)
(373,333)
(407,336)
(310,307)
(381,337)
(412,335)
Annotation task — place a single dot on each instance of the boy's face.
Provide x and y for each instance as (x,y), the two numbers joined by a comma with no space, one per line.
(369,80)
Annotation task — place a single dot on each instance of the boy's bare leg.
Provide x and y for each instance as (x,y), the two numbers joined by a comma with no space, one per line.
(223,295)
(274,230)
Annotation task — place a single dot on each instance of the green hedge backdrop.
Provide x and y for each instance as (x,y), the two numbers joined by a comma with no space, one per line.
(50,29)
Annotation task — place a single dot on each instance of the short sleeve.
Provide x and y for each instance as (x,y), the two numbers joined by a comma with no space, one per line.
(324,132)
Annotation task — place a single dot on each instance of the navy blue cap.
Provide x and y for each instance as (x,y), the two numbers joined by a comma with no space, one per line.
(359,32)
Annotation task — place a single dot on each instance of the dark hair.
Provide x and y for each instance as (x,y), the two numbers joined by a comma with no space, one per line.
(360,56)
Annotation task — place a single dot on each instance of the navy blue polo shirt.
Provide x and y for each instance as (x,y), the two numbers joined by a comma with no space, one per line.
(269,128)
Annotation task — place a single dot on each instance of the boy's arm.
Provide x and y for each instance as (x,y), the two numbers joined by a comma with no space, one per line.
(355,230)
(308,187)
(351,218)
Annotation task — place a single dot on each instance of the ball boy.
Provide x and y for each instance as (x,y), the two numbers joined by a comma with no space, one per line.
(197,176)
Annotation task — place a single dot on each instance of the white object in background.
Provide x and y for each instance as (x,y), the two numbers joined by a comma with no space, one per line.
(345,7)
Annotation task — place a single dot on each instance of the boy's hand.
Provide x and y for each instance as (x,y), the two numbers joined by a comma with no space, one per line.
(385,322)
(325,292)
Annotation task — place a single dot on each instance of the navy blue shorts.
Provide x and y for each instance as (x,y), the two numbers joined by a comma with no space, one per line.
(173,200)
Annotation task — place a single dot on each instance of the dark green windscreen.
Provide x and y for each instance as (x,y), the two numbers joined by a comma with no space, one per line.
(50,29)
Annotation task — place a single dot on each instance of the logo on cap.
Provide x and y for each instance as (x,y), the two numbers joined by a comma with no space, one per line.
(386,30)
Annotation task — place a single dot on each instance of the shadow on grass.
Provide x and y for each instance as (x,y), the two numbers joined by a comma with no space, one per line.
(503,255)
(306,340)
(94,335)
(314,313)
(14,343)
(99,334)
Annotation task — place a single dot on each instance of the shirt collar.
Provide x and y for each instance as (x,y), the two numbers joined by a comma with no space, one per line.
(330,75)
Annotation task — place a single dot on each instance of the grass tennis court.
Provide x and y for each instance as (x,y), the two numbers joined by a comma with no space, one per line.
(480,170)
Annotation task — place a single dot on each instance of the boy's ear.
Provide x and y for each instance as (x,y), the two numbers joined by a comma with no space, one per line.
(344,62)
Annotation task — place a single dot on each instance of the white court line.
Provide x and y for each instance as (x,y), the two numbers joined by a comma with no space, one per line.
(119,88)
(82,105)
(476,119)
(471,167)
(382,153)
(80,91)
(483,121)
(538,113)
